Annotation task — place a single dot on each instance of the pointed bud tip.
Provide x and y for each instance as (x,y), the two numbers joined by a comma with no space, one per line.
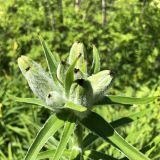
(24,63)
(112,73)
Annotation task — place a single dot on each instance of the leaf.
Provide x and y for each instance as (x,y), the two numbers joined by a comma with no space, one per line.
(111,99)
(34,101)
(102,128)
(49,154)
(61,71)
(75,107)
(92,154)
(52,60)
(48,130)
(67,131)
(69,78)
(90,138)
(96,61)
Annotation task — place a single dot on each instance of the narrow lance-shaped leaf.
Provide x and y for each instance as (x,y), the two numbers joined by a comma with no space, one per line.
(34,101)
(52,60)
(48,130)
(90,138)
(61,71)
(75,107)
(69,78)
(67,131)
(111,99)
(96,61)
(105,130)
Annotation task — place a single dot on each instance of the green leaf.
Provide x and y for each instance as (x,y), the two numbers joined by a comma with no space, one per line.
(99,126)
(52,60)
(34,101)
(49,154)
(61,71)
(76,107)
(67,131)
(96,61)
(90,138)
(111,99)
(92,154)
(48,130)
(69,78)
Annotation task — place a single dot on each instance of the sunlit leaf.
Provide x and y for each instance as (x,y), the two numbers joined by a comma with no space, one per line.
(112,99)
(48,130)
(106,131)
(69,78)
(52,60)
(34,101)
(67,131)
(96,61)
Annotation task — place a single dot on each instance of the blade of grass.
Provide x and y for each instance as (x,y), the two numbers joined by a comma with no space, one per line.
(96,61)
(111,99)
(130,118)
(48,130)
(107,132)
(67,131)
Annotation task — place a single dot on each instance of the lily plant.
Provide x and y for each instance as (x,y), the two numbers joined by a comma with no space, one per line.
(70,91)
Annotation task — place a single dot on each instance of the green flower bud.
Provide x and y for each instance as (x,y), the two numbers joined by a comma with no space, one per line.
(76,50)
(39,82)
(81,92)
(100,83)
(55,100)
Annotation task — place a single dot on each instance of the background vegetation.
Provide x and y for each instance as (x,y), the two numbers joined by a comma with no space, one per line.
(128,38)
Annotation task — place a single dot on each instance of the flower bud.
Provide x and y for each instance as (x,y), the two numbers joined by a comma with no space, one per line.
(100,83)
(55,100)
(39,82)
(76,50)
(81,92)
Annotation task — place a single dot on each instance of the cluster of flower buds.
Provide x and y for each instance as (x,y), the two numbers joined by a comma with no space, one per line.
(89,84)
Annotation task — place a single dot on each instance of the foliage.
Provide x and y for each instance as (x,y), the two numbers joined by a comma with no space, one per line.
(75,91)
(128,44)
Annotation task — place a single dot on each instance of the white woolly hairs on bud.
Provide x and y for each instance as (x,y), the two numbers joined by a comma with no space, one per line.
(55,100)
(39,81)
